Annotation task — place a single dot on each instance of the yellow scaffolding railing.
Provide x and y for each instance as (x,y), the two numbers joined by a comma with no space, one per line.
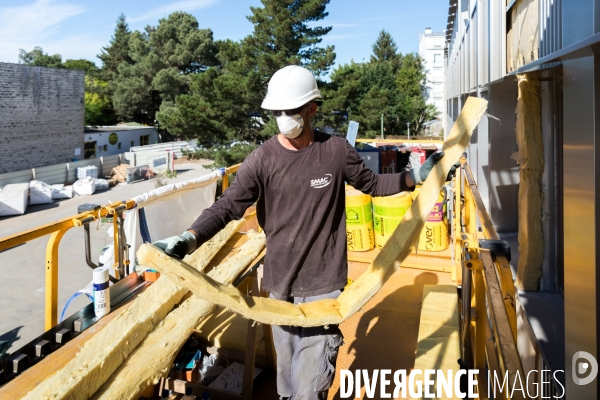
(56,231)
(489,319)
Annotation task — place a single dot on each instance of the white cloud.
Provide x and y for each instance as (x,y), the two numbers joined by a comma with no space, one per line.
(163,11)
(33,24)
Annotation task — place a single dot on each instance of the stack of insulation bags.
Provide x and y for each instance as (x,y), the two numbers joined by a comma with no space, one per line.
(86,180)
(42,193)
(370,221)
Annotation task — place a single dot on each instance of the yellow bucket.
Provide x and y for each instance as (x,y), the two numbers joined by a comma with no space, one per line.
(359,221)
(388,212)
(434,236)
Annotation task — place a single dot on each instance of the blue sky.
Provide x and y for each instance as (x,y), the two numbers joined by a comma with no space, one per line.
(78,28)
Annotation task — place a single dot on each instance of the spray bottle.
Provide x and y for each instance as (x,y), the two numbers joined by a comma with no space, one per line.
(101,295)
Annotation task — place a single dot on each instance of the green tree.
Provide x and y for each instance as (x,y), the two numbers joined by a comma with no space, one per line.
(384,48)
(163,58)
(282,36)
(38,58)
(390,84)
(98,107)
(89,67)
(223,103)
(117,51)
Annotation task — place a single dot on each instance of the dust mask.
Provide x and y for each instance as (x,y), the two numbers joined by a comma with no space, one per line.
(290,126)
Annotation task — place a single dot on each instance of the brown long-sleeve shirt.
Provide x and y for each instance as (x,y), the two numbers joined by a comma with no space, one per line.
(301,207)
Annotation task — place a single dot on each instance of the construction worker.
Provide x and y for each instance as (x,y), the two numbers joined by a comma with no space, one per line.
(298,179)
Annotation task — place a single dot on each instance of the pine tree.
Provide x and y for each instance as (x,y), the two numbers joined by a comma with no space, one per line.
(384,48)
(281,36)
(117,51)
(163,59)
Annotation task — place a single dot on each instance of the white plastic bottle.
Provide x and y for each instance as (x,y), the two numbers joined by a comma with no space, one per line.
(101,295)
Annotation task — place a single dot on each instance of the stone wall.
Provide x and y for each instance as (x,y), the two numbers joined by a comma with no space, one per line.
(41,116)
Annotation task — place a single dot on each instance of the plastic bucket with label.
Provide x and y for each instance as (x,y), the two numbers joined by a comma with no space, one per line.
(388,212)
(359,221)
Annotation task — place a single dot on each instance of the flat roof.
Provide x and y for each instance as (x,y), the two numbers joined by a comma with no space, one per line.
(115,128)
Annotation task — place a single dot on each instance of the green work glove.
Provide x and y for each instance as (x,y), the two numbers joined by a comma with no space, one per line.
(178,246)
(420,173)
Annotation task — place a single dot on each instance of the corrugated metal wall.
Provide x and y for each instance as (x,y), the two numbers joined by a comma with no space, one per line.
(550,26)
(61,173)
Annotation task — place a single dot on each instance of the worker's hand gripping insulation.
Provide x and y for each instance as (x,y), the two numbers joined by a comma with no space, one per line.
(178,246)
(420,173)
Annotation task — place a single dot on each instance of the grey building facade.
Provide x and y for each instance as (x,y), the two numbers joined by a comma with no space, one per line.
(492,46)
(41,116)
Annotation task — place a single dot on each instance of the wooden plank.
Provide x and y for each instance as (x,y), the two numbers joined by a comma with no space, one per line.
(154,357)
(249,361)
(440,261)
(326,312)
(106,351)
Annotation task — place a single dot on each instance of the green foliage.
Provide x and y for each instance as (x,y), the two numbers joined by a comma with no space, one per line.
(117,51)
(224,103)
(38,58)
(223,156)
(98,108)
(163,58)
(390,84)
(384,48)
(89,67)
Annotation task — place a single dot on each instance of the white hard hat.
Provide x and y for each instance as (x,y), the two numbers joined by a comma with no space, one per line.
(289,88)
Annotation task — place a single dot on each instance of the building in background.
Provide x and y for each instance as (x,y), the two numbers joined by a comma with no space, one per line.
(109,140)
(41,116)
(431,50)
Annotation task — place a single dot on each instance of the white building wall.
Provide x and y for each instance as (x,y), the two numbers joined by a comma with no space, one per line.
(126,137)
(431,50)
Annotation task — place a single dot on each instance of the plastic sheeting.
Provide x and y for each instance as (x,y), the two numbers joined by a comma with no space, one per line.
(170,209)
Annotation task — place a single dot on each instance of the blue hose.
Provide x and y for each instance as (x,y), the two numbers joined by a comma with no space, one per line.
(62,314)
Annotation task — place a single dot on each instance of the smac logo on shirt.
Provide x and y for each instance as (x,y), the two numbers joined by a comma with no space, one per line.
(321,182)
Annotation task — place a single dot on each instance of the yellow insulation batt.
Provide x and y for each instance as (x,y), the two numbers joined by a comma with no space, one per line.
(530,158)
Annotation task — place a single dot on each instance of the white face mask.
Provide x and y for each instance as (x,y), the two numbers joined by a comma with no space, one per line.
(290,126)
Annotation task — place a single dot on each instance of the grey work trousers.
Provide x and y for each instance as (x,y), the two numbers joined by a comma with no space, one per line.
(306,357)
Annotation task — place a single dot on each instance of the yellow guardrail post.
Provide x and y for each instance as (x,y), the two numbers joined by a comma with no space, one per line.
(51,303)
(225,179)
(502,266)
(473,263)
